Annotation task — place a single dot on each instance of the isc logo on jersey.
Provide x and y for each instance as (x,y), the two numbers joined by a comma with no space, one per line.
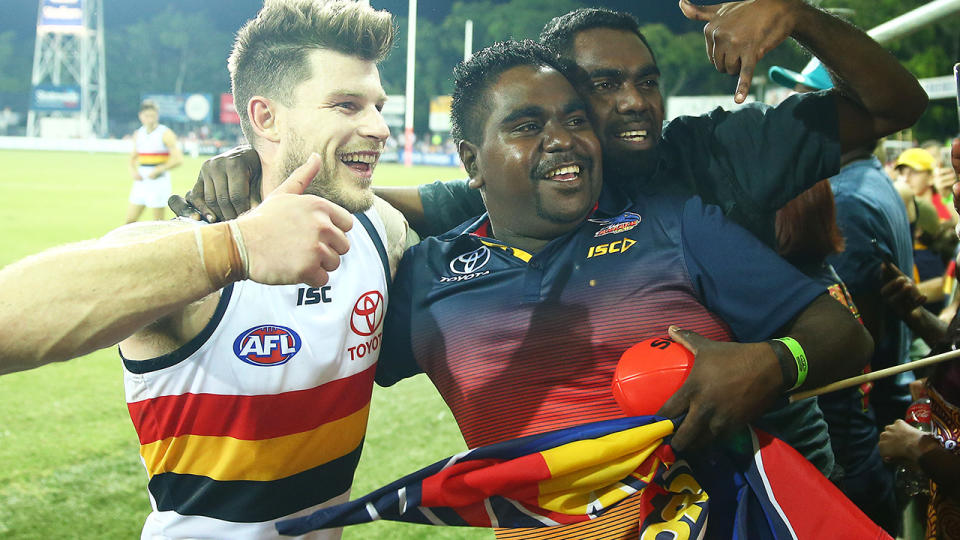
(267,345)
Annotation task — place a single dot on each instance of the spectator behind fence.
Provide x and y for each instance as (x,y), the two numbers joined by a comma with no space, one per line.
(875,226)
(936,453)
(934,239)
(809,236)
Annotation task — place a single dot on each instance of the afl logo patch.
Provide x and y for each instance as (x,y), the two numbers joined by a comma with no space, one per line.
(267,345)
(367,314)
(469,263)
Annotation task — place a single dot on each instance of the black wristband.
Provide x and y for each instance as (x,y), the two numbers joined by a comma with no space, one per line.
(788,365)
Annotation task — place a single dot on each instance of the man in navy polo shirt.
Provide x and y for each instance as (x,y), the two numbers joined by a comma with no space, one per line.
(519,317)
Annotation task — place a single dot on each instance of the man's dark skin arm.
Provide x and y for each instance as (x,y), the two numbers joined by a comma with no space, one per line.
(406,199)
(732,384)
(877,95)
(902,294)
(871,312)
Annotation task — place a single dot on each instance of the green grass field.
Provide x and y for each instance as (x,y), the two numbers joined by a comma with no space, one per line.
(69,462)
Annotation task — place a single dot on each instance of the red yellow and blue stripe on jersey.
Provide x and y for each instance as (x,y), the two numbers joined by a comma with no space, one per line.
(253,458)
(586,473)
(152,158)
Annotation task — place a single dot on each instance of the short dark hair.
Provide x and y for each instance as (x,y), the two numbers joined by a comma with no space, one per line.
(473,77)
(559,33)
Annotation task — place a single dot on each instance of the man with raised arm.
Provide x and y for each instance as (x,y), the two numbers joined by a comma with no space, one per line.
(249,347)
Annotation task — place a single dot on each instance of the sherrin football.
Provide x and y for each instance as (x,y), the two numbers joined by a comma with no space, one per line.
(649,373)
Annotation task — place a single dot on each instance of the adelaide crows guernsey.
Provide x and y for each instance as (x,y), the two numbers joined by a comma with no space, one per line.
(520,344)
(151,150)
(262,415)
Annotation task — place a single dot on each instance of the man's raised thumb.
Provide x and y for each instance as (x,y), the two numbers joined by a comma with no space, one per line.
(301,177)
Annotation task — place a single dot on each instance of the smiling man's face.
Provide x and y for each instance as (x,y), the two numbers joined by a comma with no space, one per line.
(623,92)
(336,113)
(538,163)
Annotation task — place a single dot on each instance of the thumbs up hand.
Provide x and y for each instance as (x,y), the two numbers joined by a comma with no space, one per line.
(295,238)
(739,34)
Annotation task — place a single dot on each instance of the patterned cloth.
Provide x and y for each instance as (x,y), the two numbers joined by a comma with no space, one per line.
(764,490)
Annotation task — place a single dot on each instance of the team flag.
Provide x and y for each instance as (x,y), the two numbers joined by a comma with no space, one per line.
(763,489)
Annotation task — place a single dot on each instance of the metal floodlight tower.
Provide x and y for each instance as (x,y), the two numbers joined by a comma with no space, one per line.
(69,60)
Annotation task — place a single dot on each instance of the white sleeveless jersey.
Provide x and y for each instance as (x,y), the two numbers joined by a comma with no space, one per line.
(151,151)
(262,416)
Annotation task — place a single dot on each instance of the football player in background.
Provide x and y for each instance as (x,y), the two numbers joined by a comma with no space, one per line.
(155,153)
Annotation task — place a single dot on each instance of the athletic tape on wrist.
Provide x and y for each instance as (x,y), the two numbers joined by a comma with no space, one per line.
(799,357)
(241,247)
(222,253)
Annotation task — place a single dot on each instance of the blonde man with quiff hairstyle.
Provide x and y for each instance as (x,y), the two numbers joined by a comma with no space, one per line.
(247,371)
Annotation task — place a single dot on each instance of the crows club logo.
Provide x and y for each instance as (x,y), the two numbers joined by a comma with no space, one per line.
(267,345)
(367,314)
(469,263)
(622,223)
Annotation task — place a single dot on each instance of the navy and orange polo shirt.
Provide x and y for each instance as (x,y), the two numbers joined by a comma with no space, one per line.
(521,343)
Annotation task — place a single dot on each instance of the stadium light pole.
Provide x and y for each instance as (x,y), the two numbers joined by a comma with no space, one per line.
(408,113)
(467,40)
(914,20)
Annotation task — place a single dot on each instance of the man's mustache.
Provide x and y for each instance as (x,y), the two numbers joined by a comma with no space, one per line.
(555,161)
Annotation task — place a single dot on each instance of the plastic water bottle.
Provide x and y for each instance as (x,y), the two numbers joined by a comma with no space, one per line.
(910,479)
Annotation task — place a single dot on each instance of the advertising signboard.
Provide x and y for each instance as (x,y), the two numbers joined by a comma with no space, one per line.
(47,97)
(64,16)
(440,113)
(183,107)
(228,111)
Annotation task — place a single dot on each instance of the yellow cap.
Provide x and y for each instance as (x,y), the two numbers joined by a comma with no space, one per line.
(917,159)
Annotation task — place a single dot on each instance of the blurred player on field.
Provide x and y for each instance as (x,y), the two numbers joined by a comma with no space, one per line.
(155,152)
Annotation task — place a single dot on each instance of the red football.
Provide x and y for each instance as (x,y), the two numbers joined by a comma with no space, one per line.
(649,373)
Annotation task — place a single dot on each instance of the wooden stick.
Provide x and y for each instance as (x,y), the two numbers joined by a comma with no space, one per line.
(872,376)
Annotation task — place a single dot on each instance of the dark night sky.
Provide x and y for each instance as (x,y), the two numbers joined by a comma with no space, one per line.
(21,15)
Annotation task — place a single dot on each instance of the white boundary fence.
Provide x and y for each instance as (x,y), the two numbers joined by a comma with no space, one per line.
(77,145)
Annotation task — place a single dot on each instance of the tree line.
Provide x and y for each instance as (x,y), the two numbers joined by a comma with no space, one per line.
(174,51)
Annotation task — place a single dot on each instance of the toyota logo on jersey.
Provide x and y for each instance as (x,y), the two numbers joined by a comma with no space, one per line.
(367,314)
(469,263)
(267,345)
